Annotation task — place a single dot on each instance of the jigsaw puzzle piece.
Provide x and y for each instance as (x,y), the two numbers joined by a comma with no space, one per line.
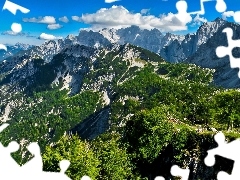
(44,176)
(35,165)
(159,178)
(8,164)
(227,150)
(221,6)
(4,125)
(2,46)
(223,176)
(88,178)
(64,164)
(210,158)
(30,175)
(222,51)
(202,9)
(182,14)
(52,175)
(193,7)
(236,16)
(177,171)
(181,7)
(12,7)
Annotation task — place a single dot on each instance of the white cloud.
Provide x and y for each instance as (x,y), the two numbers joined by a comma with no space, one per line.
(227,14)
(48,37)
(111,1)
(54,26)
(198,20)
(76,18)
(145,11)
(45,20)
(12,33)
(64,19)
(118,17)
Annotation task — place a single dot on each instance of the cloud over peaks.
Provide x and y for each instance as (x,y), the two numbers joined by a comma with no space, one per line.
(64,19)
(111,1)
(54,26)
(119,16)
(12,33)
(48,37)
(44,20)
(227,14)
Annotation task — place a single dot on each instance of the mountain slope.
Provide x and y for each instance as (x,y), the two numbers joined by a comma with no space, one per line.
(11,50)
(224,76)
(178,51)
(78,69)
(155,108)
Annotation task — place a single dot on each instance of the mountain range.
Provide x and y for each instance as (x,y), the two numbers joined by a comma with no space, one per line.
(159,92)
(173,48)
(13,49)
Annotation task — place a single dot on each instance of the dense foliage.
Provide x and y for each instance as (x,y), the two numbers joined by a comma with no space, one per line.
(160,114)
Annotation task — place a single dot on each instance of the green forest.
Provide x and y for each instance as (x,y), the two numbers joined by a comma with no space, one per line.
(160,115)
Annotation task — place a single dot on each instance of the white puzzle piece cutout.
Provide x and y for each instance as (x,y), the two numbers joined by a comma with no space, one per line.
(10,169)
(227,150)
(223,51)
(177,171)
(220,6)
(13,8)
(182,14)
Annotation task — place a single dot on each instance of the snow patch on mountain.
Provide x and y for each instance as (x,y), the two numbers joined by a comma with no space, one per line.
(180,50)
(106,98)
(13,49)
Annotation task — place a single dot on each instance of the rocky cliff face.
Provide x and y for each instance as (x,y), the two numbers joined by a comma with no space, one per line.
(178,51)
(152,40)
(198,48)
(100,62)
(206,57)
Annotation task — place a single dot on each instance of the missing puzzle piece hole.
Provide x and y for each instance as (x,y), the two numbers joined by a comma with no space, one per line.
(16,28)
(64,164)
(2,46)
(221,164)
(85,178)
(159,178)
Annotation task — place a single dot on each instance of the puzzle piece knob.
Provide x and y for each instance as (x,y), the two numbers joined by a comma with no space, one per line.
(209,160)
(236,17)
(177,171)
(221,51)
(2,46)
(223,176)
(220,138)
(34,148)
(64,164)
(181,6)
(85,178)
(221,6)
(159,178)
(13,146)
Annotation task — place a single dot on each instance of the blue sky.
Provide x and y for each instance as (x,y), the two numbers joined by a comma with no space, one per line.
(58,18)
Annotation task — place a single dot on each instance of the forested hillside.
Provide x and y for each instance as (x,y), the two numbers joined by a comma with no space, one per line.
(124,113)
